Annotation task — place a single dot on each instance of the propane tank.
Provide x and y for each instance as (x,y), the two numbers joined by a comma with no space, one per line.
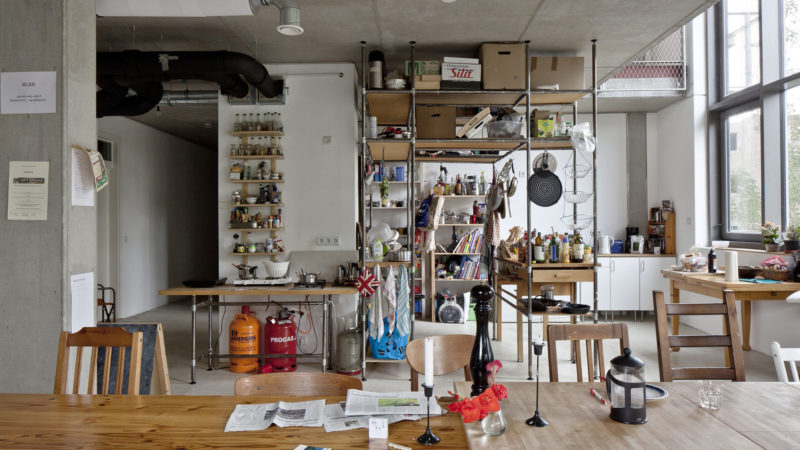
(348,350)
(280,337)
(243,340)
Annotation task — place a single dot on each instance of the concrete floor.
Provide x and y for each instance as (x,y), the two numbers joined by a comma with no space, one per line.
(394,376)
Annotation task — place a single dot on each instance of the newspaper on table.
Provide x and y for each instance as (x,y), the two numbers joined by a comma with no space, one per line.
(336,420)
(364,403)
(254,417)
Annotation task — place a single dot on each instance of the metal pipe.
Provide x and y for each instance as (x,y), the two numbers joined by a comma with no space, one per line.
(187,97)
(528,204)
(363,249)
(594,172)
(412,171)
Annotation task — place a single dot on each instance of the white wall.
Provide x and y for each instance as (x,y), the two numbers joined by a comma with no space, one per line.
(166,212)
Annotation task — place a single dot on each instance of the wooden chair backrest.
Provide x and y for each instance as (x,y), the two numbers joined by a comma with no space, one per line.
(450,353)
(729,340)
(96,337)
(296,384)
(593,334)
(782,357)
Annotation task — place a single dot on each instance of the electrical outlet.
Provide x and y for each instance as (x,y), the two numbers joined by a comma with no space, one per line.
(327,140)
(332,241)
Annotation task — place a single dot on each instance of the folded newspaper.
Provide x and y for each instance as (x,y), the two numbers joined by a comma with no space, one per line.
(260,416)
(336,420)
(364,403)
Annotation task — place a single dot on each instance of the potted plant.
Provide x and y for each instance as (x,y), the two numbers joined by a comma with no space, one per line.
(385,192)
(486,406)
(770,236)
(790,238)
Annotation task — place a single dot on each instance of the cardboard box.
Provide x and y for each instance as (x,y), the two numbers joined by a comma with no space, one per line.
(475,124)
(461,76)
(502,65)
(566,71)
(436,122)
(541,123)
(425,68)
(428,82)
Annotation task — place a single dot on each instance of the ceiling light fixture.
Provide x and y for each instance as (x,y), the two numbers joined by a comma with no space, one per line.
(290,16)
(448,1)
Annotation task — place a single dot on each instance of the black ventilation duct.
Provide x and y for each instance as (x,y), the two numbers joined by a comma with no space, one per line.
(142,72)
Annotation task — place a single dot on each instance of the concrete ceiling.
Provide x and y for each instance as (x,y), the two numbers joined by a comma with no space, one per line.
(333,29)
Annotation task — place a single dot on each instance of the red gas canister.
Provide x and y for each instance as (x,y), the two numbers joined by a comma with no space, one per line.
(243,340)
(280,337)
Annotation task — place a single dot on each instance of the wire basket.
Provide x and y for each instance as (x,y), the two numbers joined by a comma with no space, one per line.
(577,222)
(577,196)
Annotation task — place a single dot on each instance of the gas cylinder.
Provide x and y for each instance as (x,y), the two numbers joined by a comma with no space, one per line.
(243,340)
(280,337)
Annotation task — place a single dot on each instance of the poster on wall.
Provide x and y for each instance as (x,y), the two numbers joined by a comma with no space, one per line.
(98,167)
(27,190)
(27,92)
(81,292)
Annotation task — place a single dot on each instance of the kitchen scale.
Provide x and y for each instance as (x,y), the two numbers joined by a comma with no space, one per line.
(263,282)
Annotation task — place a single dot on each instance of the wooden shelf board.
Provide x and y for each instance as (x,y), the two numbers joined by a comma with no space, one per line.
(461,224)
(385,98)
(273,205)
(456,254)
(249,157)
(461,196)
(256,254)
(377,208)
(386,263)
(256,133)
(439,280)
(394,182)
(251,230)
(255,181)
(459,159)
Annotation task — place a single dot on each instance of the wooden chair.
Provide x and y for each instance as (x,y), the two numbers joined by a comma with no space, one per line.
(592,333)
(450,351)
(296,384)
(96,337)
(781,356)
(729,340)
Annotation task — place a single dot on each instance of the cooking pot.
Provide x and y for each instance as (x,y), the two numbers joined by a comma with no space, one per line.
(246,272)
(307,277)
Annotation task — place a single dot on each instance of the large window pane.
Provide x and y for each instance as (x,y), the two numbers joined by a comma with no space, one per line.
(742,51)
(793,154)
(743,142)
(791,36)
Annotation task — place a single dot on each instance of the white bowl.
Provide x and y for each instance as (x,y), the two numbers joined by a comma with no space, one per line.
(251,200)
(276,269)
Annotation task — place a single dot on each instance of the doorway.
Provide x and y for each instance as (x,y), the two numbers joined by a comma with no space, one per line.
(107,272)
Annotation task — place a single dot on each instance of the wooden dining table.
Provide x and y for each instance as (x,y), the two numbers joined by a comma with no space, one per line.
(752,415)
(115,421)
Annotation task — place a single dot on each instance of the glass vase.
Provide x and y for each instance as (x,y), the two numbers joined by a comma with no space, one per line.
(494,424)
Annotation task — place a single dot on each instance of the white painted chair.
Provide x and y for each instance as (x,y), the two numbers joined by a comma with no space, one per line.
(782,356)
(794,298)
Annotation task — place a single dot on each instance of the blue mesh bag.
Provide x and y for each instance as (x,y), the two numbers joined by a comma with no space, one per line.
(388,346)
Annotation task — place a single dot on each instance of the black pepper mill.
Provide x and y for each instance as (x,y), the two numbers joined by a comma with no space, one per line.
(482,348)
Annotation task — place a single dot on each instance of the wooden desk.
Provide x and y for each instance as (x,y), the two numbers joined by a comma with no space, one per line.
(712,285)
(563,276)
(75,421)
(578,420)
(266,291)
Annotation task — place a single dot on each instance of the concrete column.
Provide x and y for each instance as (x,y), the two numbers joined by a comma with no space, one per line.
(38,257)
(636,158)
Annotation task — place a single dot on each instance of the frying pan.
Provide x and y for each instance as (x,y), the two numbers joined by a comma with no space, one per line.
(544,188)
(494,198)
(502,209)
(512,186)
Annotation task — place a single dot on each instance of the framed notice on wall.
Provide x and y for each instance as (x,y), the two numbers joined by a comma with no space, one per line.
(27,190)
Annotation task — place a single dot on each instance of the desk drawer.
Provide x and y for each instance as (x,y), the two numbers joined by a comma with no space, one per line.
(561,276)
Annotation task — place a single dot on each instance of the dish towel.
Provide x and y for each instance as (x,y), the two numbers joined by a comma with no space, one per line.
(403,312)
(390,291)
(376,309)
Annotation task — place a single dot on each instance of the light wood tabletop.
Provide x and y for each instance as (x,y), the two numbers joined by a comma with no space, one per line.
(712,285)
(752,414)
(111,421)
(229,289)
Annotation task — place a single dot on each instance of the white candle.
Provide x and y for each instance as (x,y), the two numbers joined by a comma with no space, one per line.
(428,361)
(537,341)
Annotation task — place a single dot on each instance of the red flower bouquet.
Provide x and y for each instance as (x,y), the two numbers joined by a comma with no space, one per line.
(477,408)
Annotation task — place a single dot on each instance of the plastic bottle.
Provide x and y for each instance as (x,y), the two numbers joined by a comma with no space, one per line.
(564,257)
(712,261)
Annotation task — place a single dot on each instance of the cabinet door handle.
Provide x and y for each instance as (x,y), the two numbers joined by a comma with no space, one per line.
(613,265)
(641,265)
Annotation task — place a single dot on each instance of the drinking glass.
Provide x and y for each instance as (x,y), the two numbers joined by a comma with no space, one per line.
(710,394)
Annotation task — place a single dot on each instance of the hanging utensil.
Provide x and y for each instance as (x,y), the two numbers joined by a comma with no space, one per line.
(544,188)
(545,161)
(512,186)
(494,197)
(501,208)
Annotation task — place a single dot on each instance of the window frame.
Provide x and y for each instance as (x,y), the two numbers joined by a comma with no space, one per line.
(723,40)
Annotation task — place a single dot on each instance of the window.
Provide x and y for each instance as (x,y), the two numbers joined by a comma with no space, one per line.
(791,37)
(742,132)
(742,45)
(792,124)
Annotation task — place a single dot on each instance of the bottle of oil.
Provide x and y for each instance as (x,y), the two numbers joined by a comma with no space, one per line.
(538,249)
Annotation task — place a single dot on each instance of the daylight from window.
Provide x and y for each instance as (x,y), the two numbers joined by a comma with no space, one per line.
(793,154)
(742,45)
(743,136)
(791,36)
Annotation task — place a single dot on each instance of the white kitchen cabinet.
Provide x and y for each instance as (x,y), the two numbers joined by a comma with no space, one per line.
(650,279)
(586,293)
(624,283)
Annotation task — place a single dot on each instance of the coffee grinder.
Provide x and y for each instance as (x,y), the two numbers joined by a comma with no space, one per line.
(630,231)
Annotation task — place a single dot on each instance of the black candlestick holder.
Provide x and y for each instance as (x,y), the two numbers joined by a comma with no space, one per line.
(537,420)
(428,438)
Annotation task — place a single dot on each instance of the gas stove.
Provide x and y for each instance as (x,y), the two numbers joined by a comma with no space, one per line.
(319,284)
(263,282)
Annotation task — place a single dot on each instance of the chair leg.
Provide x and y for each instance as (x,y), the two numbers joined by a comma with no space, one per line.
(414,381)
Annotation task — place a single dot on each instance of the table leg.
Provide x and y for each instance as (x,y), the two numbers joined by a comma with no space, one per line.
(210,334)
(324,333)
(498,315)
(746,325)
(519,330)
(573,320)
(194,329)
(676,320)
